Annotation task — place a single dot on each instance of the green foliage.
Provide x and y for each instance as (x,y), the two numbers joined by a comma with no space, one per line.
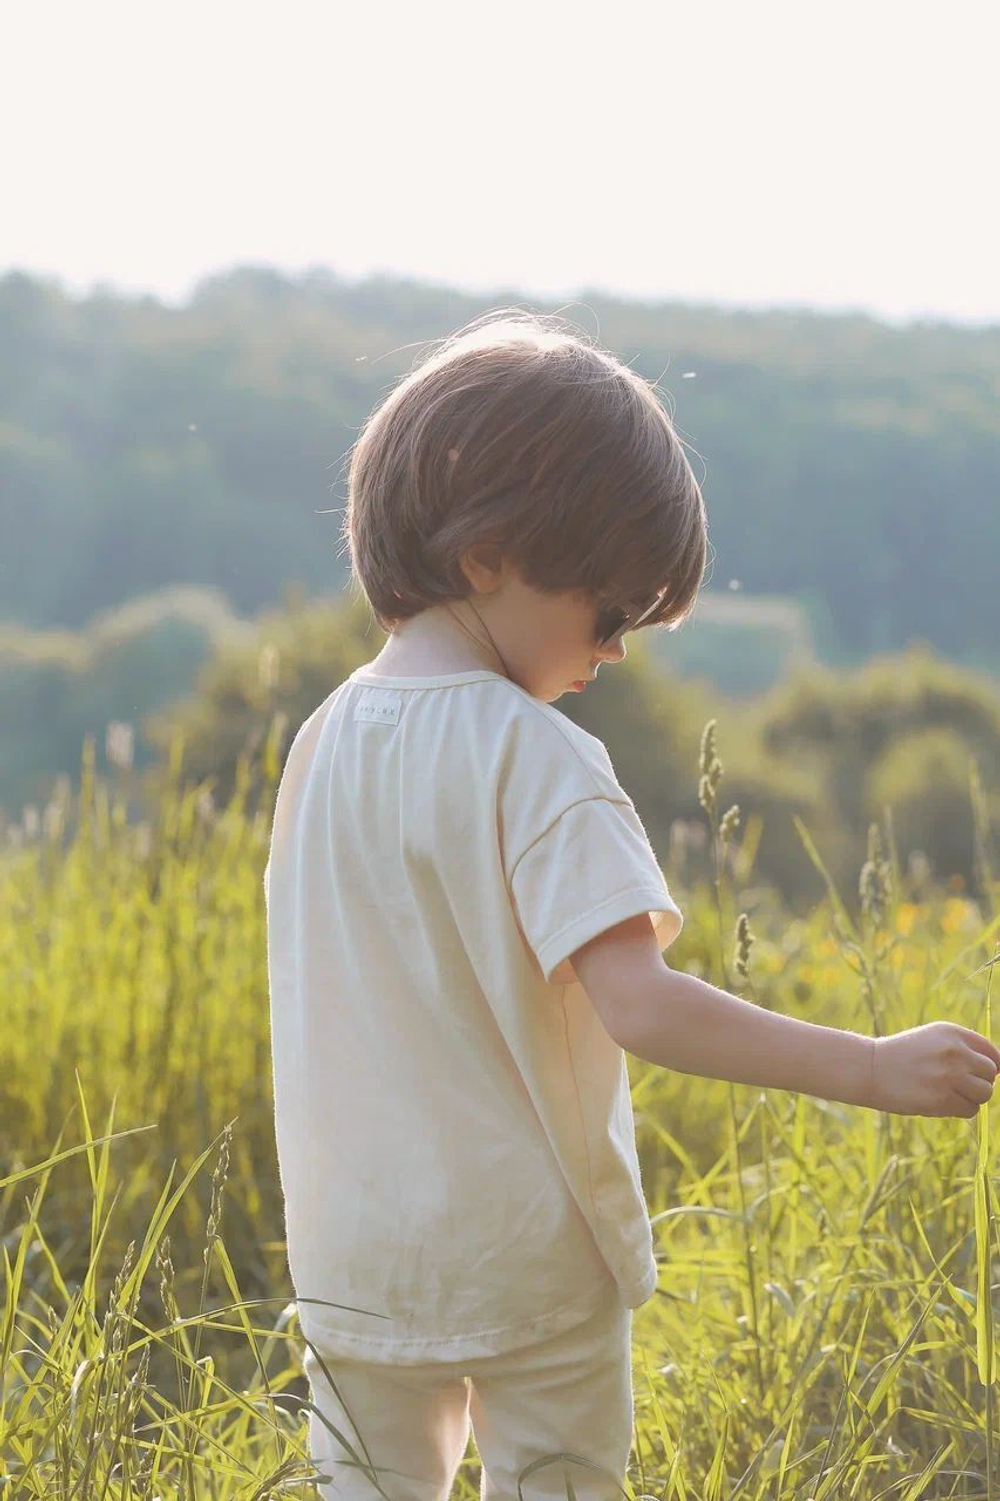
(865,736)
(924,777)
(825,748)
(57,687)
(292,661)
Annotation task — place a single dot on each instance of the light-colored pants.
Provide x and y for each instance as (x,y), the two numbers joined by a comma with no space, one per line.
(570,1395)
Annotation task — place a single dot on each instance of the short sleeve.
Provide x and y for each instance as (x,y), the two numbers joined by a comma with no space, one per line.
(592,868)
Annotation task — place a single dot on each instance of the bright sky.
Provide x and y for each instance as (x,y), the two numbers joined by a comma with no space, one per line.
(766,153)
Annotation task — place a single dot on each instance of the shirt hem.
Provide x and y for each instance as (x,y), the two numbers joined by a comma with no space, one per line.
(415,1349)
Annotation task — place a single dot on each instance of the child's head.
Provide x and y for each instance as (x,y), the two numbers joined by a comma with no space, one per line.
(521,467)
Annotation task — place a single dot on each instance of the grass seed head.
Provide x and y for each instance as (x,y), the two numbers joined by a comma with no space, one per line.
(730,823)
(875,882)
(744,942)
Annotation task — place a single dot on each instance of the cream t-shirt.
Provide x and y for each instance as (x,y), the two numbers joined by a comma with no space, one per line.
(454,1126)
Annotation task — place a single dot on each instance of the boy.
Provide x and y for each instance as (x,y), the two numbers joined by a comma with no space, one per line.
(465,932)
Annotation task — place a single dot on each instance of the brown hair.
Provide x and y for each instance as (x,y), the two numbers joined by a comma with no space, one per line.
(519,436)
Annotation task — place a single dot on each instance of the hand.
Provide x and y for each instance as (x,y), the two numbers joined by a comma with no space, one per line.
(937,1069)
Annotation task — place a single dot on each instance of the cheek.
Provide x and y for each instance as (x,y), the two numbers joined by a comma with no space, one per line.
(585,628)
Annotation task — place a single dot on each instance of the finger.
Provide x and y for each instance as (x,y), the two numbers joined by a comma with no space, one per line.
(984,1047)
(982,1066)
(974,1091)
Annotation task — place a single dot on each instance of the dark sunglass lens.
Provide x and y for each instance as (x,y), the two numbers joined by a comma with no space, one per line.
(609,623)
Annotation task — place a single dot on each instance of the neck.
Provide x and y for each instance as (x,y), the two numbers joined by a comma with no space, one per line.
(451,637)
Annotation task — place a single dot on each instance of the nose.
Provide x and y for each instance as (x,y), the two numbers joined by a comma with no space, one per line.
(613,650)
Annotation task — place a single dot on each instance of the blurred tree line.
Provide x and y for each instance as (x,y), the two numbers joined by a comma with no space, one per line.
(846,464)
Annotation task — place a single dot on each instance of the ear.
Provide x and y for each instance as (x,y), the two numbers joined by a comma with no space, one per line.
(484,567)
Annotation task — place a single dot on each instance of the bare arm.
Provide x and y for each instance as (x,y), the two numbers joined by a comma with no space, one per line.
(686,1024)
(678,1021)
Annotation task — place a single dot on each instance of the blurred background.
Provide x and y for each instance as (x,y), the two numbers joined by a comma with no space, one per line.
(227,235)
(227,232)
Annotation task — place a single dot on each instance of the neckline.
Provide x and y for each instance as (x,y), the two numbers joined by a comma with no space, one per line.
(439,680)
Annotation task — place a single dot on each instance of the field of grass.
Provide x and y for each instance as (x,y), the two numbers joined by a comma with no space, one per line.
(823,1324)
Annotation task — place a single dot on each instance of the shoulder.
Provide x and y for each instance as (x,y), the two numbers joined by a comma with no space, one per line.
(543,765)
(537,737)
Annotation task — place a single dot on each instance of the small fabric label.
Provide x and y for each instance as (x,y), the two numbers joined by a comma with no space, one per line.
(379,707)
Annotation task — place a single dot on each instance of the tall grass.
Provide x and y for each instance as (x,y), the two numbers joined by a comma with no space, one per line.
(823,1324)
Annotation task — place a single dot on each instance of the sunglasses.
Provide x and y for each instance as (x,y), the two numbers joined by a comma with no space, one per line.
(612,621)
